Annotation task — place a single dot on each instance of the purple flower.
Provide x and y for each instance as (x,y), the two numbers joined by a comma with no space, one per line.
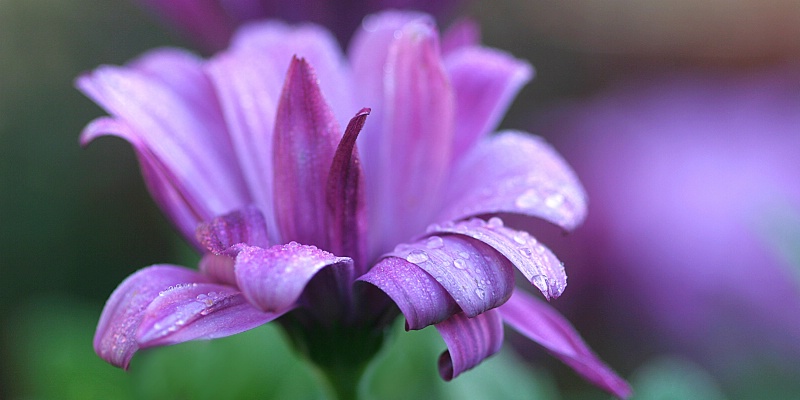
(695,211)
(328,230)
(211,23)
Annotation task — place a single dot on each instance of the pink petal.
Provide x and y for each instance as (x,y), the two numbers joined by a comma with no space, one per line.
(165,107)
(469,341)
(245,226)
(306,135)
(485,82)
(345,197)
(542,324)
(536,262)
(197,311)
(273,279)
(476,276)
(517,173)
(412,152)
(421,299)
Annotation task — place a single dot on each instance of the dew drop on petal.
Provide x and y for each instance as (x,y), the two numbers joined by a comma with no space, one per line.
(494,223)
(480,293)
(526,251)
(540,282)
(521,237)
(434,242)
(528,199)
(464,255)
(554,200)
(417,256)
(460,264)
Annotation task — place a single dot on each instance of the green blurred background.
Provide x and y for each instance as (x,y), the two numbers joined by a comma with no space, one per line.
(74,222)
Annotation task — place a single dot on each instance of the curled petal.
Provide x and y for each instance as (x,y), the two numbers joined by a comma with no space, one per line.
(273,279)
(476,276)
(306,134)
(542,324)
(114,339)
(164,105)
(485,82)
(245,226)
(197,311)
(519,173)
(346,217)
(469,341)
(536,262)
(421,299)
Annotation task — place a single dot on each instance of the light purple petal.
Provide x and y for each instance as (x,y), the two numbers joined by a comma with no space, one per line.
(542,324)
(177,130)
(306,135)
(276,43)
(345,197)
(461,34)
(245,226)
(114,338)
(485,82)
(413,148)
(536,262)
(476,276)
(192,311)
(469,341)
(515,172)
(273,279)
(421,299)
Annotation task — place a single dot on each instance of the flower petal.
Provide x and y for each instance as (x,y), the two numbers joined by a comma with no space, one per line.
(276,43)
(469,341)
(412,152)
(273,279)
(346,218)
(115,339)
(165,107)
(306,135)
(544,325)
(219,268)
(194,311)
(485,82)
(536,262)
(245,226)
(421,299)
(519,173)
(476,276)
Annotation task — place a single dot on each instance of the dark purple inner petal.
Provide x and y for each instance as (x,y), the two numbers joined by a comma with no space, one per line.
(469,341)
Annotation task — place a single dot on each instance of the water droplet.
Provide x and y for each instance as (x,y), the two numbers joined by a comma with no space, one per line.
(495,222)
(434,242)
(526,252)
(480,293)
(417,256)
(433,228)
(539,249)
(521,237)
(529,199)
(540,282)
(554,200)
(464,255)
(476,223)
(460,264)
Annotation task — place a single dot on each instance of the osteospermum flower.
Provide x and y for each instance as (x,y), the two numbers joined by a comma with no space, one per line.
(300,224)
